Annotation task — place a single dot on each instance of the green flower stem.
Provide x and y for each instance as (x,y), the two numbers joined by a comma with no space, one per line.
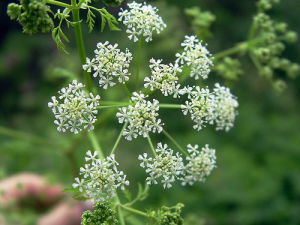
(127,90)
(95,144)
(53,2)
(118,140)
(112,106)
(138,63)
(79,43)
(112,103)
(151,145)
(175,142)
(121,217)
(236,49)
(129,209)
(170,106)
(80,3)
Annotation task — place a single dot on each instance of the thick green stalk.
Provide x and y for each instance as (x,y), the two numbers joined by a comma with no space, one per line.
(138,63)
(80,45)
(175,142)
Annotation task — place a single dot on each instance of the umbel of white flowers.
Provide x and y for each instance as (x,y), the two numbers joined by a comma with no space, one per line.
(101,178)
(196,56)
(109,63)
(141,117)
(217,107)
(74,110)
(169,167)
(141,20)
(164,78)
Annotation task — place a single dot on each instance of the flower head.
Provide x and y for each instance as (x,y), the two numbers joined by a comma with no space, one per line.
(141,20)
(102,177)
(163,77)
(200,164)
(141,117)
(109,64)
(217,107)
(165,166)
(74,110)
(195,55)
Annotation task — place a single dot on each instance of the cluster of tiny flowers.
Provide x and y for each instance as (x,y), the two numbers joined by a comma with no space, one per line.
(200,164)
(141,117)
(171,167)
(163,77)
(164,164)
(101,178)
(225,112)
(76,111)
(141,19)
(195,55)
(109,62)
(217,107)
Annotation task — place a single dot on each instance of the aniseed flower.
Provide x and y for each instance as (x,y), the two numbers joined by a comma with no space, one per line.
(217,107)
(141,117)
(74,110)
(141,19)
(165,165)
(195,55)
(164,78)
(101,177)
(109,63)
(200,164)
(169,167)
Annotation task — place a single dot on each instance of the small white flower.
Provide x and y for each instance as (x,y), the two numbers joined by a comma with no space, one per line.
(76,110)
(102,178)
(141,20)
(195,55)
(109,64)
(141,117)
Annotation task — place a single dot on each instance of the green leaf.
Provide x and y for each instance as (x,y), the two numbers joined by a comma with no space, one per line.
(90,20)
(56,32)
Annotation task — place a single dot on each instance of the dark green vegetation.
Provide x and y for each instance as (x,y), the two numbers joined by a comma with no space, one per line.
(257,180)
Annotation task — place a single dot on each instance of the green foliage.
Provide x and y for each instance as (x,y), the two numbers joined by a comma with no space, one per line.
(167,215)
(35,17)
(103,215)
(141,195)
(201,21)
(229,68)
(269,37)
(112,3)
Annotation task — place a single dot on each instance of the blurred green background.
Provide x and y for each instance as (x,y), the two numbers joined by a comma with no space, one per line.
(257,180)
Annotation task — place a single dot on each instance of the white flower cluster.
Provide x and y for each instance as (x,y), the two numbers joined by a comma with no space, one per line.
(101,178)
(195,55)
(141,117)
(205,106)
(200,164)
(225,112)
(171,167)
(164,78)
(109,62)
(141,19)
(76,111)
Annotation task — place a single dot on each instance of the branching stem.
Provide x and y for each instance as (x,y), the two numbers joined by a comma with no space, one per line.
(175,142)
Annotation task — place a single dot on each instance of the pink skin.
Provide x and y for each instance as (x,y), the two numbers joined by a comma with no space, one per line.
(66,212)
